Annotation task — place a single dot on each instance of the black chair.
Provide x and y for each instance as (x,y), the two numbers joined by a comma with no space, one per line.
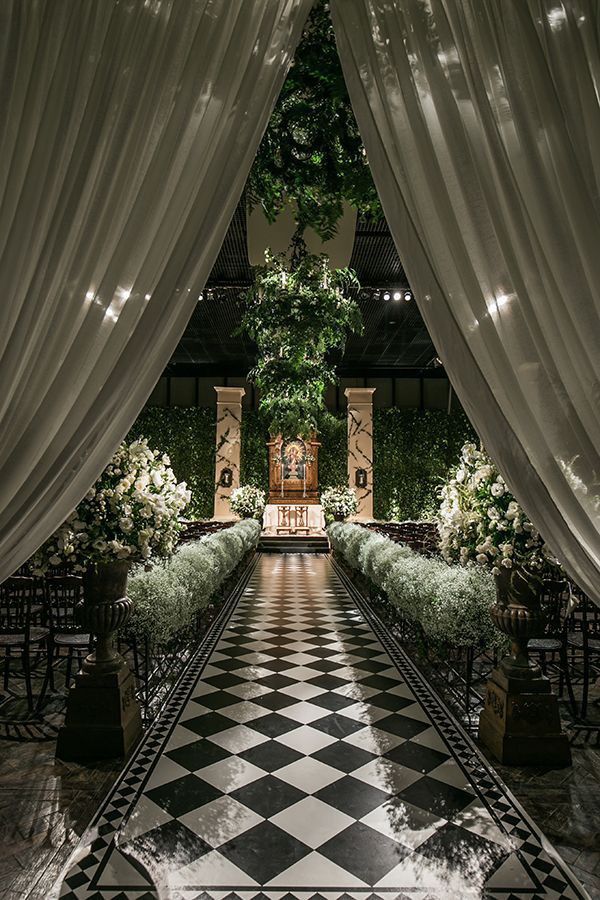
(19,636)
(583,639)
(63,601)
(557,603)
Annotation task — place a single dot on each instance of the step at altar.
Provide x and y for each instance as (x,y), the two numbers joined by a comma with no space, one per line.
(293,543)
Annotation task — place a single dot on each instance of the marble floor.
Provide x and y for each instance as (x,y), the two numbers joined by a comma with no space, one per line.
(303,755)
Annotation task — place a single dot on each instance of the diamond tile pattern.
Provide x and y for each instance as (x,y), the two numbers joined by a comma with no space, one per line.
(290,769)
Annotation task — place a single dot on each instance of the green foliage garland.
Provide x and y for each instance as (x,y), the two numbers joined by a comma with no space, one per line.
(312,151)
(297,316)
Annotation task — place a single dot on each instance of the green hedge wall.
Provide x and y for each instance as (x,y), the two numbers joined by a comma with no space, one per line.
(413,452)
(187,434)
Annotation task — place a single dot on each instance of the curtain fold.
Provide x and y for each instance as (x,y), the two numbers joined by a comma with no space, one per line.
(129,131)
(481,123)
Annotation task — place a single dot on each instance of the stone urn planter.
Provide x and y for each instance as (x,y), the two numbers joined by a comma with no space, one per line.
(105,609)
(103,717)
(517,613)
(520,722)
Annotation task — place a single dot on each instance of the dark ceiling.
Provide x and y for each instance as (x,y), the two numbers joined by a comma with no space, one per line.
(395,338)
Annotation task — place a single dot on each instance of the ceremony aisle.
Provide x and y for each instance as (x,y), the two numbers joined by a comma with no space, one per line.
(303,754)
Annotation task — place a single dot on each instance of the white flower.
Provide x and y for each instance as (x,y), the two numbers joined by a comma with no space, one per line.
(481,558)
(507,563)
(512,510)
(126,524)
(482,474)
(55,560)
(497,489)
(461,475)
(157,478)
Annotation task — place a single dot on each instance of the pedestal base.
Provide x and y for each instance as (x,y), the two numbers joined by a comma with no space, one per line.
(520,723)
(103,718)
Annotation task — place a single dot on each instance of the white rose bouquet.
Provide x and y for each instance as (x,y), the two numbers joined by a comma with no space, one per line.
(248,502)
(132,513)
(480,520)
(338,503)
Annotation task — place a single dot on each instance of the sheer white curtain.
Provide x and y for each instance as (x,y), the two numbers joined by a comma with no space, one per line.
(482,127)
(128,133)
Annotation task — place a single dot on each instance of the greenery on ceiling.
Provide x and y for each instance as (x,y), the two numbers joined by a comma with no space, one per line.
(298,314)
(312,152)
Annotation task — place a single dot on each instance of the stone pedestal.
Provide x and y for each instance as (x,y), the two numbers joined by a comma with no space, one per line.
(360,447)
(520,722)
(103,717)
(228,447)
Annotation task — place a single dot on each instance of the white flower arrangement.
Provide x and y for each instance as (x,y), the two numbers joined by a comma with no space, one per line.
(338,503)
(131,513)
(451,603)
(480,521)
(168,597)
(248,502)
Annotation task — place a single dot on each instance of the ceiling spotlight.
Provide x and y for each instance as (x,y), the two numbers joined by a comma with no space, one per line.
(397,295)
(387,295)
(407,295)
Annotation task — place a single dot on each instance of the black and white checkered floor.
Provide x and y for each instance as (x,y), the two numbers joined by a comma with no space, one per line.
(303,756)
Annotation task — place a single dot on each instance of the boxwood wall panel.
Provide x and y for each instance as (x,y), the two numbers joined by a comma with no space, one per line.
(187,435)
(413,451)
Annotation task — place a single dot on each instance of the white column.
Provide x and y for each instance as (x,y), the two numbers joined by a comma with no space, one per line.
(360,446)
(229,438)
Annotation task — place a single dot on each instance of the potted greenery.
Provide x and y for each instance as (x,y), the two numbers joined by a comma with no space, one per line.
(339,503)
(131,514)
(481,522)
(248,502)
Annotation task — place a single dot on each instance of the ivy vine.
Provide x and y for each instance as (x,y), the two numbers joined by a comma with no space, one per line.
(297,314)
(312,151)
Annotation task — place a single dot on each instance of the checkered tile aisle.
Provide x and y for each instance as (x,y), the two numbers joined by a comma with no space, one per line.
(302,762)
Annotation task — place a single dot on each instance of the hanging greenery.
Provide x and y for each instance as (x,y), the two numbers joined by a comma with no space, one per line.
(312,151)
(297,314)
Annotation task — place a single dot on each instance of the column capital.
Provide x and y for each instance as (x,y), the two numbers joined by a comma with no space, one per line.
(230,394)
(359,395)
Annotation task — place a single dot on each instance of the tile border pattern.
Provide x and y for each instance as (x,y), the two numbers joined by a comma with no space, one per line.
(87,862)
(536,850)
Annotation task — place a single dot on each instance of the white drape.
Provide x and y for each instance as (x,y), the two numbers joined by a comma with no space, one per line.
(481,122)
(128,133)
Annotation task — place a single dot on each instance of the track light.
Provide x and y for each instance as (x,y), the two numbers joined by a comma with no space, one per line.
(387,295)
(397,295)
(407,295)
